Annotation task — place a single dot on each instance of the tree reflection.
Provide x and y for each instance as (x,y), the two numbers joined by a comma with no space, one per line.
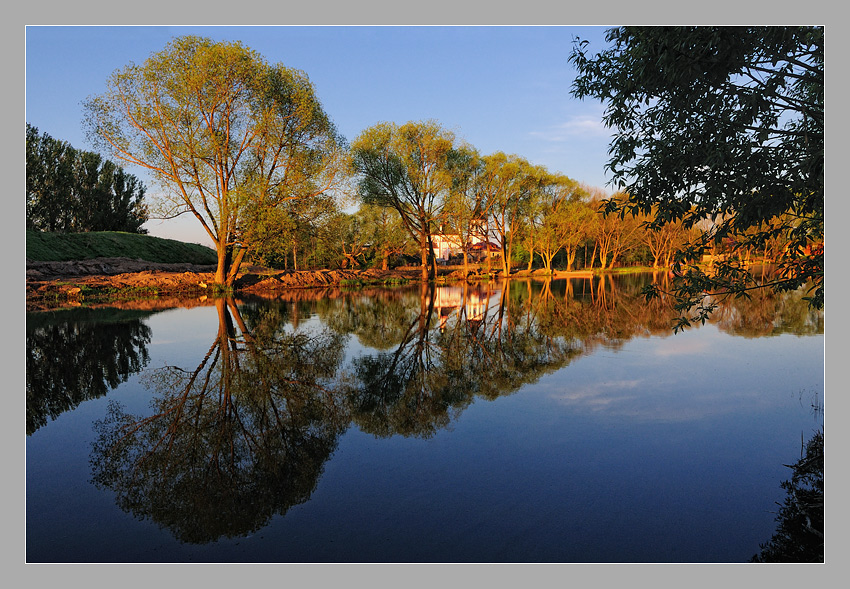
(608,312)
(434,374)
(244,435)
(237,439)
(403,391)
(71,357)
(766,313)
(799,530)
(379,318)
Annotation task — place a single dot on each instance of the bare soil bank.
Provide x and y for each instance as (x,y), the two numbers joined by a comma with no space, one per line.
(120,280)
(60,283)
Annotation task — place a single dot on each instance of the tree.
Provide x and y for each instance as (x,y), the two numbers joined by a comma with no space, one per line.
(272,237)
(718,123)
(315,238)
(466,208)
(614,235)
(70,190)
(664,241)
(565,220)
(384,232)
(352,235)
(407,168)
(507,184)
(229,136)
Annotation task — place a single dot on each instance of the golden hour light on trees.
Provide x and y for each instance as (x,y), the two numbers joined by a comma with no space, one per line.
(229,137)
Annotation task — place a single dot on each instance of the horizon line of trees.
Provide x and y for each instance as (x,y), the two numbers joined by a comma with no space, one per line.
(537,218)
(246,147)
(70,190)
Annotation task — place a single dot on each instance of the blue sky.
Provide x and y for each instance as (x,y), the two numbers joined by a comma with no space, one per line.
(500,88)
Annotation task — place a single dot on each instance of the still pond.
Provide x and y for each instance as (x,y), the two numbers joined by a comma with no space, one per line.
(528,421)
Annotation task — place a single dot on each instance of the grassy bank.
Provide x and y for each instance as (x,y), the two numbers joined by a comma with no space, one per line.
(62,247)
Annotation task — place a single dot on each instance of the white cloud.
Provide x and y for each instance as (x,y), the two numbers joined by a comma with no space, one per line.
(599,396)
(578,126)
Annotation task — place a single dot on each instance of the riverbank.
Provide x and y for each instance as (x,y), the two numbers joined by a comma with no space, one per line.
(51,284)
(114,279)
(98,280)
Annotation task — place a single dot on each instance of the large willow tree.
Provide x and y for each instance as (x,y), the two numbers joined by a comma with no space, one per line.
(229,136)
(408,168)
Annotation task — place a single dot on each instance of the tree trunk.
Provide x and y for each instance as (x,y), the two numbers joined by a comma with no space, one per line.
(423,257)
(432,259)
(603,256)
(350,259)
(221,266)
(571,257)
(235,265)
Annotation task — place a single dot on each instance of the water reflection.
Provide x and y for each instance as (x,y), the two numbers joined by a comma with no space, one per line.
(244,434)
(238,438)
(76,355)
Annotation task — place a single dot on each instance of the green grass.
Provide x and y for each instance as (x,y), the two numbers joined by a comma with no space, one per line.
(629,270)
(62,247)
(360,282)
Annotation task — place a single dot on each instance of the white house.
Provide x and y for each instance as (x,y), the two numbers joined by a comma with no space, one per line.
(450,244)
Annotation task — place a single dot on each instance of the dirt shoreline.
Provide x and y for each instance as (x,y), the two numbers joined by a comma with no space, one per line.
(51,284)
(104,280)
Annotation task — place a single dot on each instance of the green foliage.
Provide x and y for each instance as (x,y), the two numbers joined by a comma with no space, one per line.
(59,247)
(561,219)
(70,190)
(384,234)
(229,136)
(408,168)
(272,234)
(717,125)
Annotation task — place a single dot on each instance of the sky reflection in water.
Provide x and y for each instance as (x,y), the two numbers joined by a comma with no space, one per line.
(549,422)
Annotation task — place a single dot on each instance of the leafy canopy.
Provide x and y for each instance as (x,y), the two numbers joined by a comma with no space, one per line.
(71,190)
(408,168)
(229,136)
(723,124)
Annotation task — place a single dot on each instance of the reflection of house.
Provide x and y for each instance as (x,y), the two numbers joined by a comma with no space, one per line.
(449,298)
(450,244)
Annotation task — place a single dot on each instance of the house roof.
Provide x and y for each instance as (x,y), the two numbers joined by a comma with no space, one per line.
(489,245)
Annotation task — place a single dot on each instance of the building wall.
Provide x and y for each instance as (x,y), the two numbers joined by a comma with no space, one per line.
(446,245)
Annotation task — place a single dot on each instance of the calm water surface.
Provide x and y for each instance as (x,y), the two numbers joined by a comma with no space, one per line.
(553,421)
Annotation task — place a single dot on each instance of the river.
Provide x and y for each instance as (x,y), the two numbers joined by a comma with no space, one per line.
(529,421)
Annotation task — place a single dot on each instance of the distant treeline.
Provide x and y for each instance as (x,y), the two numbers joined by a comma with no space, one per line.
(70,190)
